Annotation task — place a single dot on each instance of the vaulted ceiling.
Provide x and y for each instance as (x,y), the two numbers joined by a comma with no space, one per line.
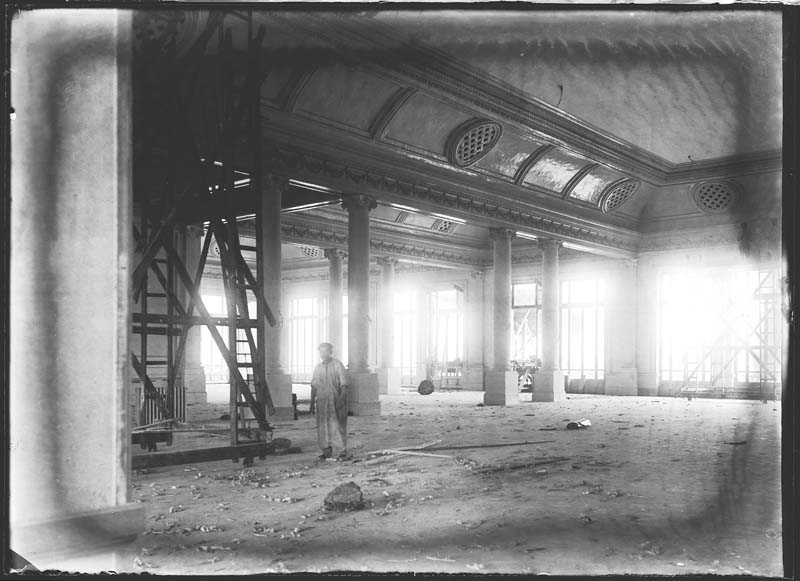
(561,123)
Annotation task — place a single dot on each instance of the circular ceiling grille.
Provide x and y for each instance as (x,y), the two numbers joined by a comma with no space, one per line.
(472,141)
(714,196)
(312,251)
(618,194)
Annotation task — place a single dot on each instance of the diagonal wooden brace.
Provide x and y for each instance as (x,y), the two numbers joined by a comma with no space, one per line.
(149,387)
(244,389)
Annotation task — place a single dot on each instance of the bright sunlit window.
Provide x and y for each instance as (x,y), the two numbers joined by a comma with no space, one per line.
(527,321)
(719,328)
(405,334)
(583,328)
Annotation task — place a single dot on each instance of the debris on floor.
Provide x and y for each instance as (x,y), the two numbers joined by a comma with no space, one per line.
(345,497)
(579,425)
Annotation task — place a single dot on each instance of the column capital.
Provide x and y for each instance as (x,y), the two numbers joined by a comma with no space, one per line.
(387,261)
(195,230)
(353,201)
(477,274)
(549,243)
(275,181)
(334,253)
(501,233)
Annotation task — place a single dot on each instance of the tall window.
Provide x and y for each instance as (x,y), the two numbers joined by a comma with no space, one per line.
(305,326)
(527,321)
(342,350)
(582,328)
(447,325)
(720,328)
(214,365)
(405,335)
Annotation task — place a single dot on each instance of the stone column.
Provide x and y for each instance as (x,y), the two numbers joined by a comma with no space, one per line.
(548,382)
(389,379)
(269,270)
(363,393)
(335,294)
(501,381)
(620,331)
(70,291)
(194,377)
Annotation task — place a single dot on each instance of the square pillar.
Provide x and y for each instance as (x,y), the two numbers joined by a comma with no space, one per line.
(70,288)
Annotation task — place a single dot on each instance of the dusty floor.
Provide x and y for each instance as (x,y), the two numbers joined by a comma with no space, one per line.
(656,485)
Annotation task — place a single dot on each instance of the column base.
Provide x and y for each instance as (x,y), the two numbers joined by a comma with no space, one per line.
(280,389)
(621,382)
(87,542)
(647,384)
(363,394)
(389,380)
(473,377)
(548,386)
(501,388)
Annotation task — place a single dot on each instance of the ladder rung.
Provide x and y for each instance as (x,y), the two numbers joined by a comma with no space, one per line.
(162,295)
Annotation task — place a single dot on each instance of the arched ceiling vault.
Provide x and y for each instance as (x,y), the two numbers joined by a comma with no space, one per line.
(569,118)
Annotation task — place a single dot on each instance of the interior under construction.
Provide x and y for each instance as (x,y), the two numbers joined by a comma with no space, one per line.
(549,246)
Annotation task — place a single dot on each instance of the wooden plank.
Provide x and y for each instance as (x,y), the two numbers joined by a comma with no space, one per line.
(142,461)
(159,319)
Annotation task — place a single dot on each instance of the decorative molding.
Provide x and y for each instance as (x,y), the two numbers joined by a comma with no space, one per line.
(456,256)
(377,128)
(293,160)
(291,91)
(328,236)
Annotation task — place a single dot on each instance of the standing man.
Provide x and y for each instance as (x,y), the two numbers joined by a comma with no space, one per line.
(329,397)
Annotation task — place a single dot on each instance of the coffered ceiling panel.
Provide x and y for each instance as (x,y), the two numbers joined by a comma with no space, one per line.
(554,170)
(509,154)
(425,123)
(345,95)
(594,183)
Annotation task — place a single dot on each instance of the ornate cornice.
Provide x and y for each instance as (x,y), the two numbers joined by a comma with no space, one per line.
(480,210)
(327,235)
